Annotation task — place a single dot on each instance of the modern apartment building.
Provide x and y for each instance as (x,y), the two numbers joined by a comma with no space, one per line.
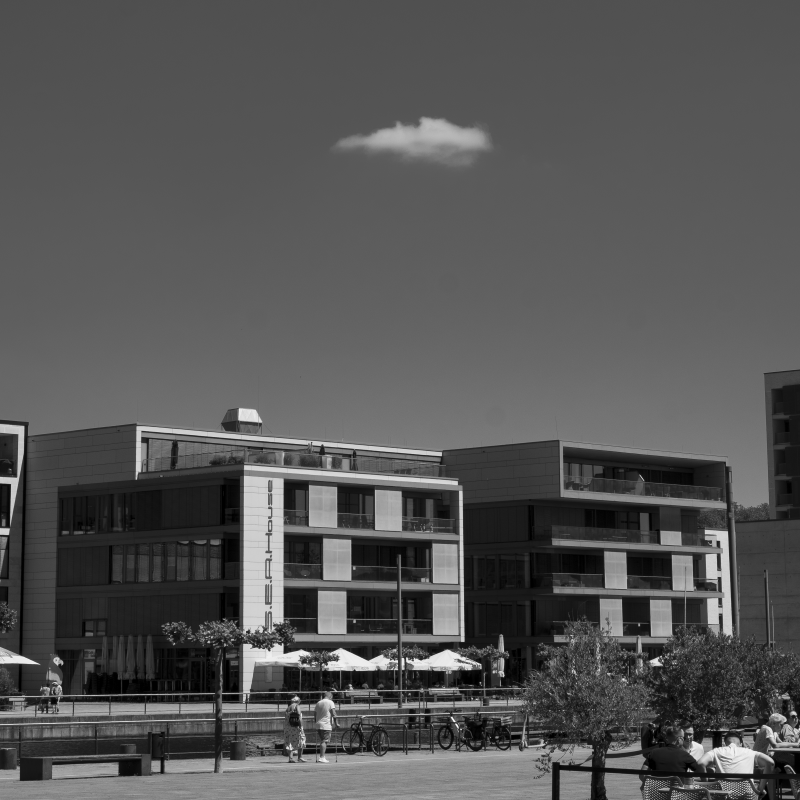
(782,406)
(13,440)
(559,530)
(135,525)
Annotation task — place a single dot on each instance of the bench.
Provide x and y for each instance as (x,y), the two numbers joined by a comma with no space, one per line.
(354,697)
(40,768)
(445,694)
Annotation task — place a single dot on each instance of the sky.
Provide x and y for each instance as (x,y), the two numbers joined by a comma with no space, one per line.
(209,205)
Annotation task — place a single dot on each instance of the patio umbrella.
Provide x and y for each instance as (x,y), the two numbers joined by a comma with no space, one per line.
(448,661)
(349,662)
(414,664)
(150,660)
(104,654)
(9,657)
(283,659)
(140,656)
(656,662)
(120,648)
(130,658)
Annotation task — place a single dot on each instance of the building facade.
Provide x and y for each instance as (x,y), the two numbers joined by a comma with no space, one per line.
(133,526)
(556,530)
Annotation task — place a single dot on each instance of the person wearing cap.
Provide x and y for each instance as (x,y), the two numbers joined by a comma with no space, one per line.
(734,757)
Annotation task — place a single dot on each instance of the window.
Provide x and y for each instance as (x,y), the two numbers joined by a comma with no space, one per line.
(579,563)
(295,496)
(506,617)
(170,561)
(215,560)
(116,563)
(480,573)
(356,502)
(523,629)
(5,505)
(3,556)
(480,619)
(158,563)
(493,619)
(183,561)
(94,627)
(200,560)
(719,562)
(640,565)
(512,572)
(491,573)
(468,572)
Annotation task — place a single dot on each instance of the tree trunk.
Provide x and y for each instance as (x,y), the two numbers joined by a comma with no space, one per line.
(599,750)
(220,659)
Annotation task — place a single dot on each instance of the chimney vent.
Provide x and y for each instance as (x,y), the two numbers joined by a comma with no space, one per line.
(242,420)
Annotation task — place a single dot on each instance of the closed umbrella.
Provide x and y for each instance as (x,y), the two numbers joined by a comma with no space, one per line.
(140,657)
(150,660)
(500,667)
(120,657)
(130,658)
(104,655)
(638,653)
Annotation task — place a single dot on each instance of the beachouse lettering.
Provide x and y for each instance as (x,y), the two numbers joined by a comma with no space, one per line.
(268,562)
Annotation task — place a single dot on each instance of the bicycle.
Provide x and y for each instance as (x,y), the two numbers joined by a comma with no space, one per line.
(499,734)
(354,740)
(446,736)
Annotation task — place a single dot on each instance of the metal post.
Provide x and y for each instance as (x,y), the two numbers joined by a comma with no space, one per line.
(556,780)
(766,608)
(732,550)
(399,634)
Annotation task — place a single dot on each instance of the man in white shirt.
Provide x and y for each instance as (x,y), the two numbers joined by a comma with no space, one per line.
(325,717)
(734,757)
(693,748)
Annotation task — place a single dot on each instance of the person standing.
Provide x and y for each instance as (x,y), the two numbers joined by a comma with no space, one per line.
(294,737)
(55,696)
(325,717)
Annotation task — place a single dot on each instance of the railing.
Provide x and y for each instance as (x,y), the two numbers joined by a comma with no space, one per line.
(649,582)
(701,585)
(785,499)
(303,624)
(692,626)
(429,525)
(302,571)
(635,628)
(295,518)
(389,626)
(642,488)
(695,540)
(596,534)
(555,628)
(408,575)
(8,468)
(295,458)
(567,580)
(363,521)
(782,437)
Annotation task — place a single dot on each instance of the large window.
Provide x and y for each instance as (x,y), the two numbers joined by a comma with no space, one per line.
(499,572)
(352,501)
(644,565)
(579,563)
(577,471)
(195,560)
(5,505)
(3,556)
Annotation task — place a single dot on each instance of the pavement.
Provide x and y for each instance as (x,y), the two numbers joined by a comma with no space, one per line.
(421,776)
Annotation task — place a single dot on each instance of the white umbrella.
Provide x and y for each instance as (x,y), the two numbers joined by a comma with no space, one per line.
(120,656)
(140,667)
(130,658)
(347,662)
(150,660)
(9,657)
(283,659)
(448,661)
(413,664)
(656,662)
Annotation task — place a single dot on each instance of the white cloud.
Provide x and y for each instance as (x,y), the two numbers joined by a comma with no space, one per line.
(434,140)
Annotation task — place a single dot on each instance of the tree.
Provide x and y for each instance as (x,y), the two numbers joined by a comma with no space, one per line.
(718,518)
(318,659)
(8,618)
(220,635)
(411,651)
(584,691)
(482,654)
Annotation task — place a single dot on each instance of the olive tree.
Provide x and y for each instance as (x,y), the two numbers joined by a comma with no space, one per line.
(318,660)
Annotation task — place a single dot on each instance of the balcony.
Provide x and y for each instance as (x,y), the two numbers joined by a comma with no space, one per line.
(374,573)
(695,540)
(310,572)
(635,628)
(295,518)
(785,499)
(596,534)
(782,437)
(701,585)
(642,488)
(696,627)
(555,628)
(362,521)
(649,582)
(297,459)
(304,624)
(429,525)
(8,468)
(389,626)
(572,580)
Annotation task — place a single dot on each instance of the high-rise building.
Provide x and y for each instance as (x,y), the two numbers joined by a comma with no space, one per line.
(557,530)
(782,406)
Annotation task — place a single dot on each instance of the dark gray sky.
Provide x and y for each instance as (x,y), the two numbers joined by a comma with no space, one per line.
(178,236)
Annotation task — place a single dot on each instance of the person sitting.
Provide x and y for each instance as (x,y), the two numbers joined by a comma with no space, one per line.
(695,749)
(671,756)
(768,735)
(734,757)
(365,685)
(790,732)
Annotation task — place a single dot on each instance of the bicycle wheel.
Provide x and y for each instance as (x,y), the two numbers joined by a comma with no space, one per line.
(380,742)
(466,739)
(445,737)
(351,742)
(472,742)
(503,738)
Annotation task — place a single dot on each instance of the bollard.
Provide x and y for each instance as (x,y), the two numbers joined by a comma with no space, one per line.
(8,758)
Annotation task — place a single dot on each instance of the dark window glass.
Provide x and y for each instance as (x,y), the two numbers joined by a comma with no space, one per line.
(645,566)
(116,563)
(3,556)
(492,619)
(66,515)
(200,560)
(491,572)
(90,523)
(215,560)
(170,561)
(468,572)
(78,514)
(104,513)
(635,610)
(183,561)
(356,502)
(118,513)
(480,573)
(88,627)
(480,619)
(130,563)
(158,563)
(130,511)
(143,563)
(522,619)
(295,496)
(506,617)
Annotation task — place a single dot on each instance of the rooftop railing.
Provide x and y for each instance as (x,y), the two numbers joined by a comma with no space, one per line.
(596,534)
(297,459)
(642,488)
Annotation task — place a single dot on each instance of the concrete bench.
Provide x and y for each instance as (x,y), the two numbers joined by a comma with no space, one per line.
(40,768)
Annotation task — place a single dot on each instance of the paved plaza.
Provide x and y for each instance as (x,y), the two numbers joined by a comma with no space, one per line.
(422,776)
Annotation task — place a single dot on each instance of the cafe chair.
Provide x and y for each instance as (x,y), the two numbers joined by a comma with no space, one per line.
(689,793)
(794,781)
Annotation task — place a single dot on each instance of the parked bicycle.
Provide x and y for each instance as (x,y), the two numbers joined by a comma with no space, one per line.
(355,739)
(451,732)
(499,734)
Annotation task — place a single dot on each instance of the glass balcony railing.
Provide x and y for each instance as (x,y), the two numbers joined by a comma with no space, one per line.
(642,488)
(304,624)
(697,627)
(374,573)
(429,525)
(596,534)
(566,580)
(303,571)
(363,521)
(295,518)
(389,626)
(649,582)
(295,458)
(705,585)
(555,628)
(635,628)
(782,437)
(695,540)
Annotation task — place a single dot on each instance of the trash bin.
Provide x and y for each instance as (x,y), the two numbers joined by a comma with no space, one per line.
(238,750)
(127,749)
(8,758)
(157,745)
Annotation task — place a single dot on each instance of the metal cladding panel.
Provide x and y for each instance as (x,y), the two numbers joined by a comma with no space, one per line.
(332,611)
(682,575)
(337,559)
(388,510)
(445,563)
(616,569)
(660,617)
(445,614)
(611,615)
(322,506)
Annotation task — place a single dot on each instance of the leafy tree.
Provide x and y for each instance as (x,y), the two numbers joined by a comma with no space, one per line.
(220,635)
(585,692)
(318,659)
(411,651)
(483,654)
(718,518)
(8,618)
(7,686)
